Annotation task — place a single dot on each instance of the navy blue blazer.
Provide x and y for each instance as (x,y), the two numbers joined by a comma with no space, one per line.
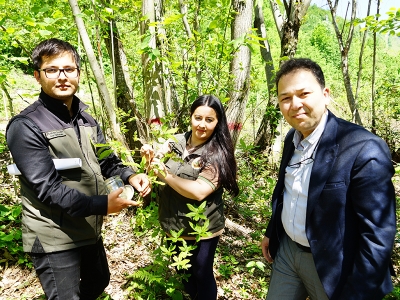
(351,217)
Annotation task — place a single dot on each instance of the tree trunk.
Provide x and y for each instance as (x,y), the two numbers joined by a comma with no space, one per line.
(278,18)
(124,95)
(8,105)
(238,229)
(360,58)
(295,11)
(100,81)
(153,83)
(267,129)
(344,52)
(239,67)
(373,113)
(288,30)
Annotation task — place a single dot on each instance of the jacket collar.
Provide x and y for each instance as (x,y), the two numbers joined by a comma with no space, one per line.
(59,108)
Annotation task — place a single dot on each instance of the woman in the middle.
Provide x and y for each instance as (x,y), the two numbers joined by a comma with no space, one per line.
(206,166)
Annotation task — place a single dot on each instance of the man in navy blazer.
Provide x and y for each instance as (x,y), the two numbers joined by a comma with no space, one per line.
(333,220)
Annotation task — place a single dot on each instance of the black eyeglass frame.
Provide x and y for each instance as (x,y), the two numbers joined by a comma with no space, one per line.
(68,75)
(306,161)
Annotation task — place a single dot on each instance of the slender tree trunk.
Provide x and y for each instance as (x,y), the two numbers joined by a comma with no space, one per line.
(9,106)
(101,83)
(344,47)
(192,40)
(266,131)
(288,30)
(360,58)
(152,69)
(278,18)
(265,48)
(295,11)
(239,67)
(373,113)
(123,89)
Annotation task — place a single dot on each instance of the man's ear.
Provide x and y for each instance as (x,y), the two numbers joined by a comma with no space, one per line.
(37,75)
(327,95)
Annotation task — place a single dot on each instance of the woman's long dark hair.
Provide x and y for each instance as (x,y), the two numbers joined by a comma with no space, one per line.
(219,151)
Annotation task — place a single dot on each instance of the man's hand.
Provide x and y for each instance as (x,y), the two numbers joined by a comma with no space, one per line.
(116,204)
(265,249)
(141,183)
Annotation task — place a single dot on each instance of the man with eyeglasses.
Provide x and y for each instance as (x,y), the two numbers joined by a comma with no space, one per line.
(63,209)
(333,220)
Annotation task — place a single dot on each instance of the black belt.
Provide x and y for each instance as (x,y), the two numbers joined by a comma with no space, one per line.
(304,248)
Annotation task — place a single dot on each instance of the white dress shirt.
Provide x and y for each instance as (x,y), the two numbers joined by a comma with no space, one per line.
(297,181)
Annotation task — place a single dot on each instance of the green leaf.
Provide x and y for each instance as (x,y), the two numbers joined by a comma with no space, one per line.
(16,211)
(170,19)
(45,33)
(10,30)
(49,20)
(213,24)
(105,153)
(57,14)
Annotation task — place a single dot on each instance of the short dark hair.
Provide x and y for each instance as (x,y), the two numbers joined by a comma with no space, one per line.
(295,64)
(53,47)
(219,151)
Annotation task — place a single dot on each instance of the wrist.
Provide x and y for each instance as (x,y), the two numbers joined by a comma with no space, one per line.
(163,175)
(131,178)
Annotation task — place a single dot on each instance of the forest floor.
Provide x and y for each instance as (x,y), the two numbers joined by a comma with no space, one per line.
(125,252)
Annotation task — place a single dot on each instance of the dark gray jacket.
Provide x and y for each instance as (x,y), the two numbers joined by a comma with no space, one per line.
(61,209)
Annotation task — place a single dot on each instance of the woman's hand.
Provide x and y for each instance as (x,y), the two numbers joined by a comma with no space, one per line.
(147,151)
(158,168)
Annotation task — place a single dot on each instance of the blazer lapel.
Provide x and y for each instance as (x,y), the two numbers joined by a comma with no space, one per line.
(287,154)
(323,163)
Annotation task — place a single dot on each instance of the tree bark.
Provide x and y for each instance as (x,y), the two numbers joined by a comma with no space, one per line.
(238,229)
(100,81)
(155,88)
(295,11)
(373,113)
(239,67)
(344,47)
(267,129)
(123,89)
(278,18)
(9,105)
(360,58)
(288,30)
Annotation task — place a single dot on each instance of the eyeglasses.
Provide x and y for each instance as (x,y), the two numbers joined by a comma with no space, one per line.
(306,161)
(53,73)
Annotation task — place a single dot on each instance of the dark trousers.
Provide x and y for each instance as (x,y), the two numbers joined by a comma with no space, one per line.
(201,284)
(80,273)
